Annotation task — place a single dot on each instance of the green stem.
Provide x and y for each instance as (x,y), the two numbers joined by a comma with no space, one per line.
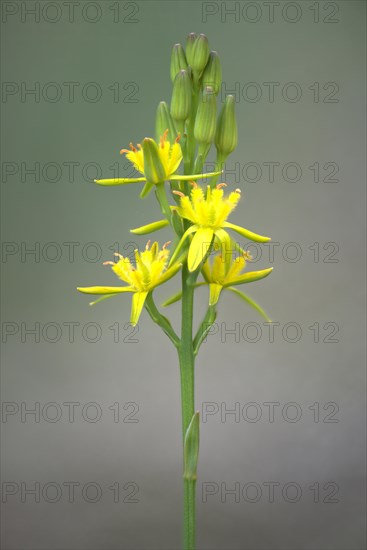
(187,363)
(219,165)
(162,321)
(163,201)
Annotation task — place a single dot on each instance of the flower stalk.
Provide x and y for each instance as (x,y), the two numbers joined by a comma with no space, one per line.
(197,215)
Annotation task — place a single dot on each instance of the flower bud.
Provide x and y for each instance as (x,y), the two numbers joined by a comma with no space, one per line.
(181,96)
(212,75)
(164,122)
(198,53)
(226,136)
(178,60)
(189,45)
(153,168)
(206,117)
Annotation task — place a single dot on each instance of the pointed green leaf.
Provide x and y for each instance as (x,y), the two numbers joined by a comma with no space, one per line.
(146,190)
(101,299)
(178,296)
(191,449)
(251,302)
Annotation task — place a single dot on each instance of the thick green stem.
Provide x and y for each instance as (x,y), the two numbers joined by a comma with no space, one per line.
(187,364)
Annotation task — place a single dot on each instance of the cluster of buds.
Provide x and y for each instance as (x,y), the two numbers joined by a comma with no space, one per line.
(196,75)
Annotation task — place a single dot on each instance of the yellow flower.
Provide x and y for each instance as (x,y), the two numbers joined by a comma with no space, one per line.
(162,158)
(157,162)
(149,272)
(224,272)
(208,214)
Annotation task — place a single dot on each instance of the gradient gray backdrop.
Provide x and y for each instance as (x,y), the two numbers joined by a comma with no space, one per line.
(324,45)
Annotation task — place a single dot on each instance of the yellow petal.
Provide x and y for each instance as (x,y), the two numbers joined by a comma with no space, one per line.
(175,158)
(104,289)
(246,233)
(215,291)
(188,232)
(199,247)
(250,277)
(137,306)
(150,227)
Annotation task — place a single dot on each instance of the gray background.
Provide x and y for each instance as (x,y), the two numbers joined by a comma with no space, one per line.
(230,369)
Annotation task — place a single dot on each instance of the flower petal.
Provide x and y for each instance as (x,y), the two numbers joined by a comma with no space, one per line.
(246,233)
(137,306)
(175,177)
(188,232)
(104,289)
(150,227)
(119,181)
(171,271)
(215,291)
(249,277)
(199,247)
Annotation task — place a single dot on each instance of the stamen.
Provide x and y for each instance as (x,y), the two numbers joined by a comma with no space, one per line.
(178,137)
(119,255)
(132,147)
(124,151)
(164,138)
(108,263)
(179,193)
(166,244)
(220,185)
(139,145)
(238,190)
(147,245)
(194,184)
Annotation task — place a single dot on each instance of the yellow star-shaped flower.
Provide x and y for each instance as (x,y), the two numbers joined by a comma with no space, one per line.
(149,272)
(224,272)
(157,162)
(208,215)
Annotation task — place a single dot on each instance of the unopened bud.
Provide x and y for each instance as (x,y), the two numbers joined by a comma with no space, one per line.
(181,96)
(198,53)
(163,122)
(153,167)
(178,60)
(226,137)
(189,45)
(212,75)
(206,117)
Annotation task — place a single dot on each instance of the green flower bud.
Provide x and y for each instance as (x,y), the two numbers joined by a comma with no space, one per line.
(163,122)
(181,96)
(189,45)
(206,117)
(198,54)
(178,60)
(226,136)
(153,168)
(212,75)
